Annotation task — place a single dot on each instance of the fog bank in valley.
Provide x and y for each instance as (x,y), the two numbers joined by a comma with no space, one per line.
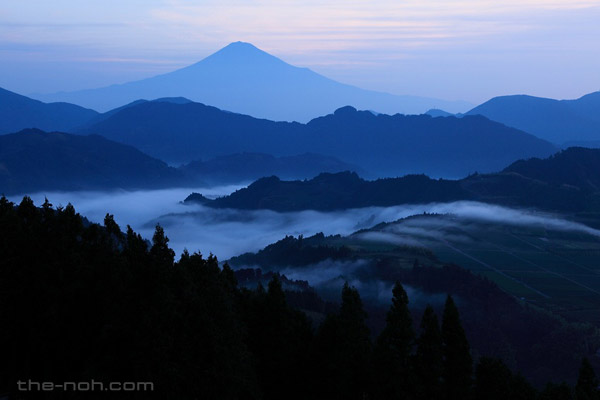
(227,233)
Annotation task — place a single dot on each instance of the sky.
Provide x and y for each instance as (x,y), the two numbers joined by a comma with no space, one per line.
(451,49)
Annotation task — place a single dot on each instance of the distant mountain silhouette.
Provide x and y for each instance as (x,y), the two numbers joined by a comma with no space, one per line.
(546,184)
(181,133)
(33,160)
(577,167)
(244,79)
(381,144)
(434,112)
(19,112)
(557,121)
(251,166)
(592,144)
(101,117)
(342,190)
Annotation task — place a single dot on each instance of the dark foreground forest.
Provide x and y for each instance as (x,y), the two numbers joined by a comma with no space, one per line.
(82,302)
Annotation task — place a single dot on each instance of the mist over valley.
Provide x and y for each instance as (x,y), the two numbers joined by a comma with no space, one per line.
(244,227)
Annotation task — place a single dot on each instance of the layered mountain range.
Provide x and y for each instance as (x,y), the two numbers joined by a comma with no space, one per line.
(33,160)
(569,181)
(218,145)
(245,79)
(20,112)
(381,144)
(558,121)
(179,131)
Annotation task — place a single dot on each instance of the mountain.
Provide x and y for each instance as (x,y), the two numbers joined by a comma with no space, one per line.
(33,160)
(251,166)
(396,145)
(19,112)
(180,133)
(592,144)
(101,117)
(439,113)
(497,268)
(567,182)
(381,144)
(576,167)
(244,79)
(557,121)
(329,192)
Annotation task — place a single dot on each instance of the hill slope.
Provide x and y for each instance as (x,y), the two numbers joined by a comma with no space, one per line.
(244,79)
(577,167)
(545,184)
(336,191)
(19,112)
(33,160)
(382,144)
(250,166)
(557,121)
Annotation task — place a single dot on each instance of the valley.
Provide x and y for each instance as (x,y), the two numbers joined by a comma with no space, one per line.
(240,226)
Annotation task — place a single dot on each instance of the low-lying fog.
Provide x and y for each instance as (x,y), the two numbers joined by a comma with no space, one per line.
(227,233)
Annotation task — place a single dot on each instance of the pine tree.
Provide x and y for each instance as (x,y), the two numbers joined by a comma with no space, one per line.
(554,391)
(429,357)
(276,303)
(343,350)
(136,249)
(228,274)
(458,364)
(587,382)
(492,380)
(393,375)
(160,249)
(111,226)
(495,381)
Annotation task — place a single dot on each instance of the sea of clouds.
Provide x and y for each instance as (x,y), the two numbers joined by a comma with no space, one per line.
(227,233)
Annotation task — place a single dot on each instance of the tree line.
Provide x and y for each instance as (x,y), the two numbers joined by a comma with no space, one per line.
(81,301)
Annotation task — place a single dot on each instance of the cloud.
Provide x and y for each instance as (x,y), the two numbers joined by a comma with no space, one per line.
(452,49)
(328,277)
(509,216)
(227,233)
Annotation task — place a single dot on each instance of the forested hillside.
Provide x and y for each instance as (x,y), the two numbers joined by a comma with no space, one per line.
(89,302)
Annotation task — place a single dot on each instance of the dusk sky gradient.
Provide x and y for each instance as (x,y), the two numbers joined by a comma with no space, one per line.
(470,50)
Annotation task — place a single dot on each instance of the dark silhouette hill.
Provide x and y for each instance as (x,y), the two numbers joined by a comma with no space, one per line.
(33,160)
(382,144)
(546,184)
(592,144)
(108,114)
(20,112)
(343,190)
(184,132)
(576,167)
(434,112)
(251,166)
(245,79)
(557,121)
(408,144)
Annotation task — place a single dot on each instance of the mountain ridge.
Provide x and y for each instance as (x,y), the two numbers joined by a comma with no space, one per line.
(243,167)
(34,160)
(395,144)
(245,79)
(543,184)
(558,121)
(19,112)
